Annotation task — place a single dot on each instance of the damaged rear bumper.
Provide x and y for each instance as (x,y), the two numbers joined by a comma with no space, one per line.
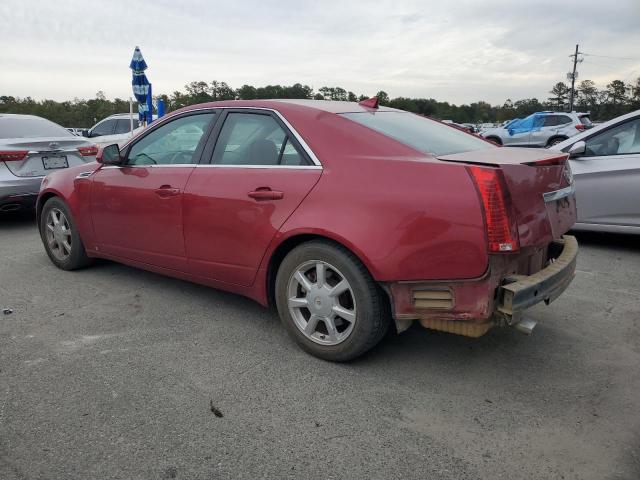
(472,307)
(520,292)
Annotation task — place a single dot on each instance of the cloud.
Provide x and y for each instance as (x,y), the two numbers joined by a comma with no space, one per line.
(459,51)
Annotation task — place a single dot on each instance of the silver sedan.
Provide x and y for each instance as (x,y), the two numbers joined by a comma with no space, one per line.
(605,162)
(30,148)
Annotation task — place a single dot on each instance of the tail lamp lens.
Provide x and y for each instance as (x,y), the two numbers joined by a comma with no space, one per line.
(501,231)
(88,151)
(13,156)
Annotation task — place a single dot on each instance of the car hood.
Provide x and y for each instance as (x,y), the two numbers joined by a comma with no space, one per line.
(71,172)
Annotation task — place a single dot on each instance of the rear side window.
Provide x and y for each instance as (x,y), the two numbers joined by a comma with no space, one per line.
(124,125)
(421,133)
(30,127)
(255,139)
(585,120)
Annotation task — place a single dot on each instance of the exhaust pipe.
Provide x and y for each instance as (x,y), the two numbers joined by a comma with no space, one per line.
(526,325)
(10,207)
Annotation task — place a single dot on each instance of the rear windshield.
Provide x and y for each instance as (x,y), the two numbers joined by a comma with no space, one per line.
(585,120)
(30,127)
(421,133)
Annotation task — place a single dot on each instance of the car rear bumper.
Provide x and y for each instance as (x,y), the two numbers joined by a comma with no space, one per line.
(520,292)
(472,307)
(17,193)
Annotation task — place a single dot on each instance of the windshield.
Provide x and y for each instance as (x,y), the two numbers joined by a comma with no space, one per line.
(30,127)
(418,132)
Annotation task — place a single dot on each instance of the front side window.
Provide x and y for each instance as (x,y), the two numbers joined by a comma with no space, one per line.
(103,128)
(420,133)
(173,143)
(255,139)
(619,140)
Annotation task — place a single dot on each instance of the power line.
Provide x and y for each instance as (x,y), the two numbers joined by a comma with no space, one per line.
(608,56)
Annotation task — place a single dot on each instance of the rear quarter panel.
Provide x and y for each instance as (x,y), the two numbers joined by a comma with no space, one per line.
(406,215)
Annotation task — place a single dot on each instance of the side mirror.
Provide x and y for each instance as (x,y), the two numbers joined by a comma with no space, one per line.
(109,155)
(578,149)
(84,132)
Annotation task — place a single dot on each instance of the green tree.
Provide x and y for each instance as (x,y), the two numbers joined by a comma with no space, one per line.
(559,94)
(383,97)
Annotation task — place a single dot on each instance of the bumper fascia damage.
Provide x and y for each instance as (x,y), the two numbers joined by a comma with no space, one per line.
(472,307)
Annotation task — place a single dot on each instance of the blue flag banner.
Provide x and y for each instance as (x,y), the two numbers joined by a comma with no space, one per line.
(139,82)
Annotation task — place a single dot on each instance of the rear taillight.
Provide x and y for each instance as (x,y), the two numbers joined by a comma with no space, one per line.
(581,127)
(13,156)
(550,162)
(88,151)
(501,230)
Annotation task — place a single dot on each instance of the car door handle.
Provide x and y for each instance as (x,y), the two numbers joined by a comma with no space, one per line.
(265,193)
(167,191)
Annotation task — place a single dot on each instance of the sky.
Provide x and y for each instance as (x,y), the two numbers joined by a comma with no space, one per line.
(457,51)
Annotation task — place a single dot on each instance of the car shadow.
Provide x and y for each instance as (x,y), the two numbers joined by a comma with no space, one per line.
(17,220)
(620,241)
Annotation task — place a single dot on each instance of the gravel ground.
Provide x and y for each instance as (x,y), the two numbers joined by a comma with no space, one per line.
(113,372)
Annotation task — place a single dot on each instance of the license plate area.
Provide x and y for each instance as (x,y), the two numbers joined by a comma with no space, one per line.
(52,163)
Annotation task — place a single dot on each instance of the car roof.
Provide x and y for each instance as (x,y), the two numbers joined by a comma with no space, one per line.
(284,105)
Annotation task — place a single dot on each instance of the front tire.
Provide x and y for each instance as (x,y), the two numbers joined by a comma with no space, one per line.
(60,236)
(329,302)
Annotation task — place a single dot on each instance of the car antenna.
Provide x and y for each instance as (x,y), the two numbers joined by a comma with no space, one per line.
(369,102)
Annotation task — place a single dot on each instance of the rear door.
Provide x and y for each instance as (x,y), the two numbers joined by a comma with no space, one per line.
(258,172)
(607,176)
(137,207)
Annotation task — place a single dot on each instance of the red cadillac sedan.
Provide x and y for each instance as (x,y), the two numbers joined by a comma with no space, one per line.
(350,218)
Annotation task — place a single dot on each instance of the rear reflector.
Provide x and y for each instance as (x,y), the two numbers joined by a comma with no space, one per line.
(91,150)
(13,156)
(549,162)
(501,232)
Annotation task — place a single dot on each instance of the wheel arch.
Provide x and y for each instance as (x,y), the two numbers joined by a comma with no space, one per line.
(288,243)
(42,199)
(494,139)
(561,138)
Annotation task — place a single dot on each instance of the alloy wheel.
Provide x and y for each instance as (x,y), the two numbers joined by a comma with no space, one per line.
(321,302)
(58,233)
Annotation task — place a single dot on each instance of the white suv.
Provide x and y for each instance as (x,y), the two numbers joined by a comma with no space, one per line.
(114,129)
(541,129)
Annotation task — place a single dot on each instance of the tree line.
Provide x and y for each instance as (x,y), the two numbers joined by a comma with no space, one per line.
(615,99)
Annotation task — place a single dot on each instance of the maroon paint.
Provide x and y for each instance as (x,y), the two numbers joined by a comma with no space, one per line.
(406,215)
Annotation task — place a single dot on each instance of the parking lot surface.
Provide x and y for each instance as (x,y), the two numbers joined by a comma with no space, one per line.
(112,372)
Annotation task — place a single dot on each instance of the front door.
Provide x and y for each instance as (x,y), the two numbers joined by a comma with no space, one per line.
(137,207)
(258,175)
(607,177)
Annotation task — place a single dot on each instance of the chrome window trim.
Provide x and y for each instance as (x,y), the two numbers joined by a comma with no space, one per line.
(559,194)
(197,165)
(305,146)
(285,167)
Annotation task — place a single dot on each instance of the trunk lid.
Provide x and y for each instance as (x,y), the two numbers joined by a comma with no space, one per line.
(45,154)
(540,187)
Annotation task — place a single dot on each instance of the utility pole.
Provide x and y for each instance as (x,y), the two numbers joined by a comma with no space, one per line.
(573,75)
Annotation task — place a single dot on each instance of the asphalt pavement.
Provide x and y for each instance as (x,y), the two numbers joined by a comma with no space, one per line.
(117,373)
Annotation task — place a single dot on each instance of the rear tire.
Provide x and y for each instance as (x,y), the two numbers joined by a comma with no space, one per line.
(495,140)
(329,303)
(60,236)
(555,140)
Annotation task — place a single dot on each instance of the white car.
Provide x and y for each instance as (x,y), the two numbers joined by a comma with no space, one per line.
(114,129)
(605,162)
